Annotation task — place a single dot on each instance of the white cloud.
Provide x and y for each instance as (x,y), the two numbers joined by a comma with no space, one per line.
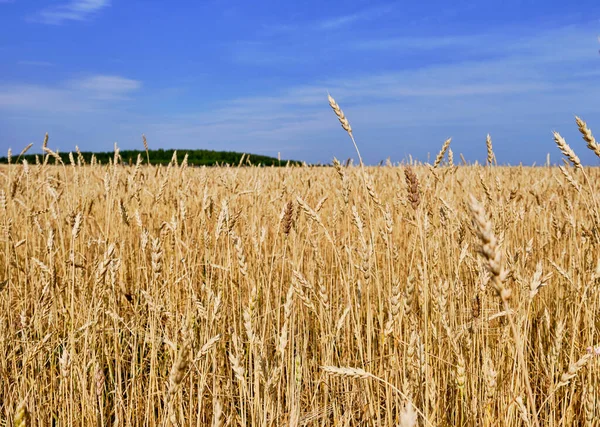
(85,94)
(339,21)
(324,24)
(575,43)
(344,20)
(407,43)
(107,87)
(74,10)
(24,97)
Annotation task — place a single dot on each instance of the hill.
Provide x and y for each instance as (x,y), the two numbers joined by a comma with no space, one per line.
(160,156)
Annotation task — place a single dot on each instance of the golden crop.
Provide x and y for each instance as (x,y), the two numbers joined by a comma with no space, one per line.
(305,296)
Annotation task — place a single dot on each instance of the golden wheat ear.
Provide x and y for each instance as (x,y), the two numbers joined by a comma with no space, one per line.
(567,150)
(588,137)
(491,157)
(442,152)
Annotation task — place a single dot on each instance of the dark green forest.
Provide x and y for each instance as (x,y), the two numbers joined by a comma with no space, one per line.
(160,156)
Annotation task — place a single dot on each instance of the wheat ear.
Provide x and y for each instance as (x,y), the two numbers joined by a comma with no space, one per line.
(490,151)
(362,374)
(587,136)
(440,155)
(567,150)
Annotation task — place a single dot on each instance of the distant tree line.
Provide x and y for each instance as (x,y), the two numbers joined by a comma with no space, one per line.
(163,157)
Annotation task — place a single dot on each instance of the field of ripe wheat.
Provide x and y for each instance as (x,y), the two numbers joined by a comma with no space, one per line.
(430,295)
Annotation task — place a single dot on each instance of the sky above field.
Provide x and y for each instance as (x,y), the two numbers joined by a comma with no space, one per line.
(253,76)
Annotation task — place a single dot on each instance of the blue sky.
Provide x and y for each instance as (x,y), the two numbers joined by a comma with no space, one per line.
(253,76)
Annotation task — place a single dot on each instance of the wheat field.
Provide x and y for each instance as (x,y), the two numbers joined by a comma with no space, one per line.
(430,295)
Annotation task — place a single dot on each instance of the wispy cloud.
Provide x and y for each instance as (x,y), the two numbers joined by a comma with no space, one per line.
(74,10)
(347,19)
(107,87)
(541,46)
(424,43)
(324,24)
(85,94)
(18,98)
(339,21)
